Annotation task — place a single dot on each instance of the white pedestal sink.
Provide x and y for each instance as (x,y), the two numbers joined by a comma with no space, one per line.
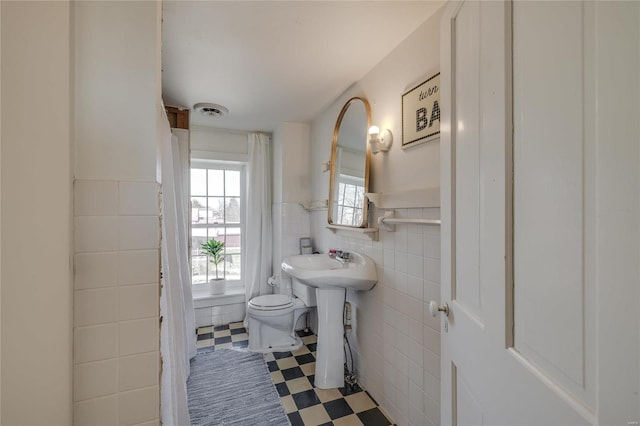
(331,277)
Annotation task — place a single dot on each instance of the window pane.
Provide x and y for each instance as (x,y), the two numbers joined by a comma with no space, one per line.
(233,240)
(199,182)
(232,183)
(349,195)
(359,195)
(357,220)
(341,193)
(217,233)
(198,210)
(199,269)
(347,216)
(216,183)
(232,210)
(198,237)
(216,210)
(232,266)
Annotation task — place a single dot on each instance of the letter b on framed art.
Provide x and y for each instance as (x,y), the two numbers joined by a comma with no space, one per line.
(421,112)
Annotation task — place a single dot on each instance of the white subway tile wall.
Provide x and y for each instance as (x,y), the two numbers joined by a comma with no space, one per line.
(291,222)
(116,212)
(295,225)
(95,379)
(395,340)
(94,270)
(138,232)
(93,307)
(138,266)
(95,343)
(138,405)
(95,198)
(137,198)
(138,370)
(116,302)
(95,234)
(218,315)
(97,411)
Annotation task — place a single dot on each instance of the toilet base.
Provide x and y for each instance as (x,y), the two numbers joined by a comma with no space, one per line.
(297,344)
(275,336)
(272,330)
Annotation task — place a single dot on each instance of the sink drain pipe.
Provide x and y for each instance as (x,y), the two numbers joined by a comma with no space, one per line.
(349,375)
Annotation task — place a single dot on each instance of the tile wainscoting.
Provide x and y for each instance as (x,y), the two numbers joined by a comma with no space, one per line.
(116,302)
(395,340)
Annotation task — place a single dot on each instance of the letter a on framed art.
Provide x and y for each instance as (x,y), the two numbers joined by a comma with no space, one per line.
(421,113)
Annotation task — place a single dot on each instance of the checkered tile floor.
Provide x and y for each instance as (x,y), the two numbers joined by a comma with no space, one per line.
(228,336)
(292,374)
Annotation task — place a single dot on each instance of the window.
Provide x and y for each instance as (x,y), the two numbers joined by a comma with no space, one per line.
(350,200)
(217,211)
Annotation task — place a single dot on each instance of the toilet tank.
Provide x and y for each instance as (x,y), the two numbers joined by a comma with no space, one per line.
(304,292)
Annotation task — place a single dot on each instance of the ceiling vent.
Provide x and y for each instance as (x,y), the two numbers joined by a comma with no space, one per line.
(211,110)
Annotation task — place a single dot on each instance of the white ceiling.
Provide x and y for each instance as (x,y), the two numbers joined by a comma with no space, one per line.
(274,61)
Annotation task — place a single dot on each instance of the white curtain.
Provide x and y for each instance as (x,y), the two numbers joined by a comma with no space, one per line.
(177,332)
(259,226)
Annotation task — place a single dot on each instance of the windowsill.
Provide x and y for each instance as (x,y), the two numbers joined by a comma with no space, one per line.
(202,297)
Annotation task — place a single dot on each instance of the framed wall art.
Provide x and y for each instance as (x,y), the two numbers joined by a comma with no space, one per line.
(421,113)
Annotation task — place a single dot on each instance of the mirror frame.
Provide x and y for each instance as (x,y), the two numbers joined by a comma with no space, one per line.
(334,147)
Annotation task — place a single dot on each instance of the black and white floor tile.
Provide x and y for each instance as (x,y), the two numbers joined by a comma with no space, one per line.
(228,336)
(292,374)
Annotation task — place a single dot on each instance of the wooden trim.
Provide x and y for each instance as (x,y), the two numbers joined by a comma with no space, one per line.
(178,118)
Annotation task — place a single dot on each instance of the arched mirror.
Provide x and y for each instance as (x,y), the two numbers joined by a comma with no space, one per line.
(349,179)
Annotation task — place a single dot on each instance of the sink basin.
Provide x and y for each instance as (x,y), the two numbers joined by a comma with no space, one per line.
(331,278)
(321,270)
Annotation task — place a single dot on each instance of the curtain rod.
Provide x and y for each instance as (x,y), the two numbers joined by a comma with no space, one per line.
(232,131)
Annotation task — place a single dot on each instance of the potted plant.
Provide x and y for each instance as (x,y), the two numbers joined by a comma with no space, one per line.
(215,250)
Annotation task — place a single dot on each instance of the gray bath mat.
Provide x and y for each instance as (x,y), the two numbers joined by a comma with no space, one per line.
(228,387)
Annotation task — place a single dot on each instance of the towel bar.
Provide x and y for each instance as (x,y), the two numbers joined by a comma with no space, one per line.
(387,221)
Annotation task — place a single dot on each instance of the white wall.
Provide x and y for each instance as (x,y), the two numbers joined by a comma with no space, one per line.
(291,163)
(36,212)
(409,64)
(116,212)
(219,144)
(396,341)
(291,178)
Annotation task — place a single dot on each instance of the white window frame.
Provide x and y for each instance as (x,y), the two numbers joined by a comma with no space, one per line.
(226,165)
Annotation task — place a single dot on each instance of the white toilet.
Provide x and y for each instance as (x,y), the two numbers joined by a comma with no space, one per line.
(273,317)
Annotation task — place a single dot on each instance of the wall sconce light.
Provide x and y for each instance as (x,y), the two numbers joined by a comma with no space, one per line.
(379,141)
(326,166)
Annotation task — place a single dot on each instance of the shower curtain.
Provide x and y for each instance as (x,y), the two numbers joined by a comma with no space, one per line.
(177,331)
(259,226)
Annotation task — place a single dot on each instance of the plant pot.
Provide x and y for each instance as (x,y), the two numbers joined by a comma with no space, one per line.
(217,286)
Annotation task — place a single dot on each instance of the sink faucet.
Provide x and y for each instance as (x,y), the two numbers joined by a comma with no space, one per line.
(344,256)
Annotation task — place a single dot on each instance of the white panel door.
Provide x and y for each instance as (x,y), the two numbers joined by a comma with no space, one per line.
(539,175)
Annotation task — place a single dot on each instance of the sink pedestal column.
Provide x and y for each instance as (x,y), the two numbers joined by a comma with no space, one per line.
(330,349)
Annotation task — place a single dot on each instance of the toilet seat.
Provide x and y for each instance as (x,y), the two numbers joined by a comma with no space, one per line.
(271,302)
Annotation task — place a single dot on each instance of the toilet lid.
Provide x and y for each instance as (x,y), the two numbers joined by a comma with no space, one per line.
(272,301)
